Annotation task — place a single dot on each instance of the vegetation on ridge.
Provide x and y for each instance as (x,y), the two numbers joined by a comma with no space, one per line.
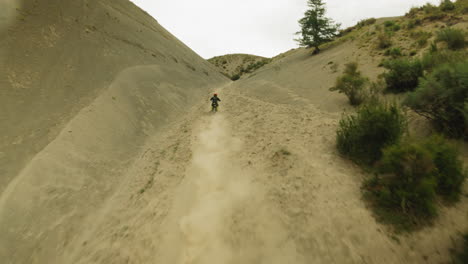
(234,66)
(352,84)
(410,175)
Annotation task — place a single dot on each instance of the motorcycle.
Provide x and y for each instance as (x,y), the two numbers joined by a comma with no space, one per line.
(214,107)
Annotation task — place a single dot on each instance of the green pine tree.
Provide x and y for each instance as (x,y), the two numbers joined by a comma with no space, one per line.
(316,29)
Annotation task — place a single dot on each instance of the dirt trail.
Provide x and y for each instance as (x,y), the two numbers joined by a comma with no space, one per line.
(257,182)
(219,187)
(221,216)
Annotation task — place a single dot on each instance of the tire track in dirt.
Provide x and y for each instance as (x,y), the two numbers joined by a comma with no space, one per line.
(220,186)
(221,216)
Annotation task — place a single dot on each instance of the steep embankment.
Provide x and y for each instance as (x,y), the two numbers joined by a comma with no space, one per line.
(84,84)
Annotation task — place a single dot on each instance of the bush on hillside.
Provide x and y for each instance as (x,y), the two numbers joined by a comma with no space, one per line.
(389,23)
(376,125)
(454,38)
(384,40)
(410,185)
(442,97)
(432,12)
(450,173)
(412,174)
(235,77)
(393,52)
(402,74)
(446,5)
(351,83)
(422,41)
(256,65)
(413,12)
(366,22)
(421,37)
(412,23)
(433,59)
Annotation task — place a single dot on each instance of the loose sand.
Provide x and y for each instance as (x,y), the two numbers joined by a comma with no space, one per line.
(256,183)
(110,154)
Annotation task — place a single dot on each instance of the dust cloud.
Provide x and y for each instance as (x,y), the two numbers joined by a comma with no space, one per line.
(220,186)
(228,219)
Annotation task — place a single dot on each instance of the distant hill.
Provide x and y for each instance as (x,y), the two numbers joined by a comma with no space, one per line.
(236,65)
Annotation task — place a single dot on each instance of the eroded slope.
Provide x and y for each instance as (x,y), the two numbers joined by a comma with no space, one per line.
(84,84)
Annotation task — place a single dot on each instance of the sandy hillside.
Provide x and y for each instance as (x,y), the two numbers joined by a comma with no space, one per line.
(238,64)
(132,168)
(259,182)
(84,84)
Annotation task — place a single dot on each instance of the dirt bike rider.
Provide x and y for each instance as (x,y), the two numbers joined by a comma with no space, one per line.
(214,101)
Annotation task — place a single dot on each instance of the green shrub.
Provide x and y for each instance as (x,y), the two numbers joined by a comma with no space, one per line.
(429,8)
(235,77)
(455,38)
(384,41)
(442,97)
(446,5)
(366,22)
(351,83)
(413,12)
(402,74)
(412,174)
(421,37)
(450,174)
(437,15)
(411,184)
(412,23)
(393,52)
(389,23)
(253,66)
(362,137)
(433,59)
(433,12)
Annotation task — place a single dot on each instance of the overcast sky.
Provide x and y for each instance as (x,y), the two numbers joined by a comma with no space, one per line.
(259,27)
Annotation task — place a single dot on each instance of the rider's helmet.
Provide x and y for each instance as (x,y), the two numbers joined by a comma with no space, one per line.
(215,94)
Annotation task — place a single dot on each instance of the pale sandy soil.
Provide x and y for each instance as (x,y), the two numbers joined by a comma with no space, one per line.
(256,183)
(129,166)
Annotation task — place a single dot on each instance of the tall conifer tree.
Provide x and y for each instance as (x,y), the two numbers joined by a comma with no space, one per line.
(316,29)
